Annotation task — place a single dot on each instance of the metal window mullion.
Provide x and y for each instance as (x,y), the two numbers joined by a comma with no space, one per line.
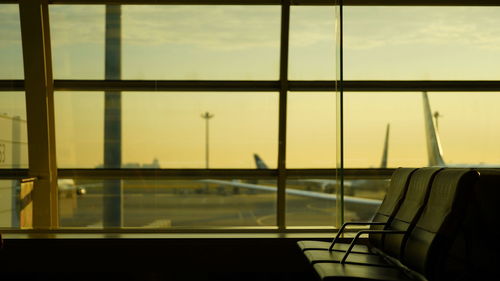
(277,2)
(281,196)
(340,122)
(40,110)
(169,2)
(399,2)
(266,86)
(166,85)
(262,86)
(98,174)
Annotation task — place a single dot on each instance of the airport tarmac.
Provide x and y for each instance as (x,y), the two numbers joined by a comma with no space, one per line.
(191,205)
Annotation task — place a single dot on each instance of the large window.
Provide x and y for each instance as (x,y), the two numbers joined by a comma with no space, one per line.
(238,115)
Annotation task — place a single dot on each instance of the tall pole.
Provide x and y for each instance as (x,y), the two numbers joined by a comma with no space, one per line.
(112,193)
(436,116)
(207,117)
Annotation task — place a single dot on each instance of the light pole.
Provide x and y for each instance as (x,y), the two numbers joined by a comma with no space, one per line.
(436,116)
(206,116)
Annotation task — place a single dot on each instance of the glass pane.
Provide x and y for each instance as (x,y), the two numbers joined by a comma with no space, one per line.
(167,130)
(11,52)
(8,203)
(363,195)
(311,130)
(170,42)
(311,201)
(312,43)
(421,43)
(161,203)
(79,120)
(466,125)
(366,117)
(13,131)
(77,41)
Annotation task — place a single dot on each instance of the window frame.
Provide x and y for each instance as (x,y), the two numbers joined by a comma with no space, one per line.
(283,86)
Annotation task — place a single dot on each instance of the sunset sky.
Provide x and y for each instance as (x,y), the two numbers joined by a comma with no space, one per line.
(242,43)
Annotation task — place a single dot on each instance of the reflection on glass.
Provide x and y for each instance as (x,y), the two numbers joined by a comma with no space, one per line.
(312,43)
(172,203)
(167,130)
(13,131)
(11,52)
(311,130)
(312,201)
(170,42)
(421,43)
(9,194)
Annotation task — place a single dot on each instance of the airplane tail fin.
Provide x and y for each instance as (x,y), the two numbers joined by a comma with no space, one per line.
(434,151)
(383,163)
(259,162)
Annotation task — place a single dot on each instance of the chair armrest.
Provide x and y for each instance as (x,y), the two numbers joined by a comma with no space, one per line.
(368,232)
(341,230)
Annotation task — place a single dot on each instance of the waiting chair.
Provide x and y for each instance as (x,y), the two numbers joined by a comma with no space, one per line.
(384,215)
(426,247)
(404,220)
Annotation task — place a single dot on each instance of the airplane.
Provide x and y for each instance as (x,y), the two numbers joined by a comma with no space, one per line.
(68,185)
(329,185)
(433,142)
(363,206)
(350,185)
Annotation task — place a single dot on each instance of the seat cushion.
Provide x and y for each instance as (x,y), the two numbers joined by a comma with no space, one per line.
(317,256)
(337,271)
(324,246)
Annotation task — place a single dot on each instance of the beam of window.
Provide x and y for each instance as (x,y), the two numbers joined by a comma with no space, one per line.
(196,173)
(285,32)
(40,110)
(278,2)
(261,86)
(266,86)
(170,2)
(339,89)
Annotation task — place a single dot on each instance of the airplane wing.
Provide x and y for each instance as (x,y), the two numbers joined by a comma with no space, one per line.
(324,182)
(292,191)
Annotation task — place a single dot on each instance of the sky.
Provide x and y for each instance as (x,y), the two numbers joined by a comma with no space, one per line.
(242,43)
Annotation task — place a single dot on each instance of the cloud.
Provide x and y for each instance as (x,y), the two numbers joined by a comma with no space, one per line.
(444,26)
(10,27)
(312,25)
(74,25)
(216,27)
(225,28)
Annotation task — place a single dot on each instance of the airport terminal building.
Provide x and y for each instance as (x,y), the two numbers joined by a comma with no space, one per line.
(202,139)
